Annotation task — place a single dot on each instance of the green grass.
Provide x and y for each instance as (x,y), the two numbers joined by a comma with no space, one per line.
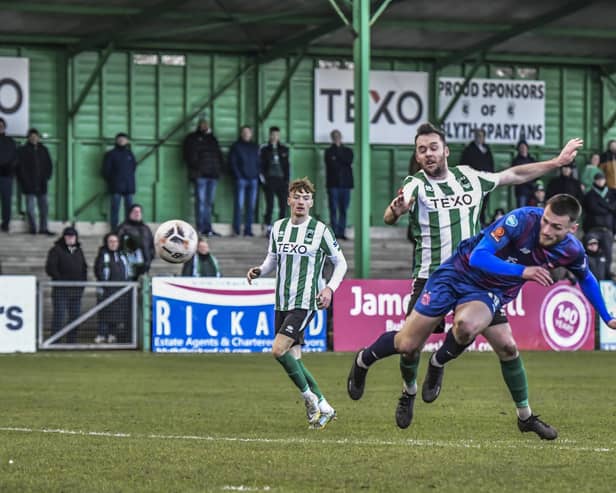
(211,422)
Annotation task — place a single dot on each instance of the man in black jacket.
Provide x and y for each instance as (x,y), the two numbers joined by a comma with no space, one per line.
(339,182)
(600,214)
(477,154)
(204,159)
(274,161)
(136,242)
(565,183)
(8,160)
(524,191)
(244,162)
(34,170)
(66,262)
(119,168)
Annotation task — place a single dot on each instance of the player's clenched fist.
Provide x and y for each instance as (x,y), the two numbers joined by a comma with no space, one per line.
(253,273)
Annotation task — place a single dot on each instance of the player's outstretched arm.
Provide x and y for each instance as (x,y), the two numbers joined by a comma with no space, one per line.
(252,274)
(590,287)
(527,172)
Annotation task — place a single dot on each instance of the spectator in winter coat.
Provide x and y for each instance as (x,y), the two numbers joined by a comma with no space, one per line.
(204,159)
(111,264)
(244,161)
(8,161)
(119,166)
(599,207)
(524,191)
(478,155)
(274,175)
(136,242)
(565,183)
(608,164)
(597,260)
(66,262)
(339,182)
(203,263)
(34,170)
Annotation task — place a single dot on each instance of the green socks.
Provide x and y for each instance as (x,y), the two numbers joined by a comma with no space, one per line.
(314,386)
(294,370)
(408,370)
(515,378)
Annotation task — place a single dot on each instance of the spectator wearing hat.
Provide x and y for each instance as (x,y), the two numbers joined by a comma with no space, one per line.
(119,167)
(136,242)
(204,159)
(524,191)
(565,183)
(597,260)
(66,262)
(588,175)
(203,263)
(607,163)
(600,214)
(8,161)
(34,170)
(537,199)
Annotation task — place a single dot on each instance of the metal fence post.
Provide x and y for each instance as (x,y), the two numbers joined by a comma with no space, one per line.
(146,313)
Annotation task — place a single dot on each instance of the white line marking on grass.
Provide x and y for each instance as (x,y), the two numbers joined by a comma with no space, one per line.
(563,444)
(245,488)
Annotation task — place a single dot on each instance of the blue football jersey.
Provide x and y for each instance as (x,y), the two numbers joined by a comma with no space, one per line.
(515,238)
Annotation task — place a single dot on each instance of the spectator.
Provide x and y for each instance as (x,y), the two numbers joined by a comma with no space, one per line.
(66,262)
(111,264)
(565,183)
(478,155)
(275,170)
(34,170)
(136,242)
(203,263)
(339,182)
(597,260)
(599,214)
(244,160)
(204,159)
(119,168)
(538,197)
(608,164)
(524,191)
(588,175)
(8,160)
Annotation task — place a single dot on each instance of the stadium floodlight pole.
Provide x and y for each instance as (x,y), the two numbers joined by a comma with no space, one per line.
(361,63)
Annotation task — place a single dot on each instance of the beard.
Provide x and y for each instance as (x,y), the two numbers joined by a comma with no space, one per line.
(436,167)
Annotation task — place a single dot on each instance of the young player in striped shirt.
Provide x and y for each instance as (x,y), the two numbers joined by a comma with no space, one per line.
(444,205)
(298,247)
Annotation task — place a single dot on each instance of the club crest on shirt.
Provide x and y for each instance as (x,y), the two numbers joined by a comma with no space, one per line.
(511,221)
(425,298)
(498,233)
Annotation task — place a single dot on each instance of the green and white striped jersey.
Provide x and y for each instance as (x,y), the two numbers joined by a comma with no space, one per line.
(445,212)
(300,252)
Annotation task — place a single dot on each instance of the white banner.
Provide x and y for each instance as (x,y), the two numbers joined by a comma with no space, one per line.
(15,95)
(607,336)
(17,314)
(398,105)
(508,110)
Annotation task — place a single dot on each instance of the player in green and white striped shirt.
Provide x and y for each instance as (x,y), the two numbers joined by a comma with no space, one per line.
(297,249)
(444,205)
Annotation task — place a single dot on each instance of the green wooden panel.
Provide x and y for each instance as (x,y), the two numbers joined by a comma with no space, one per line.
(270,76)
(171,97)
(302,103)
(87,120)
(116,95)
(88,179)
(609,107)
(226,120)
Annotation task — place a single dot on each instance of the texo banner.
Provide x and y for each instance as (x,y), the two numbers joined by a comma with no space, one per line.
(398,105)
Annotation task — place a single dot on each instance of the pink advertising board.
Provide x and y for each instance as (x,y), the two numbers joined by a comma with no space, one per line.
(557,318)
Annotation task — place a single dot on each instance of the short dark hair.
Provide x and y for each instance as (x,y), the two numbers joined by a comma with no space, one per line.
(274,129)
(427,129)
(33,131)
(563,204)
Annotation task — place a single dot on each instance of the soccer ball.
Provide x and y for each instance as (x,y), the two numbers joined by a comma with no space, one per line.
(175,241)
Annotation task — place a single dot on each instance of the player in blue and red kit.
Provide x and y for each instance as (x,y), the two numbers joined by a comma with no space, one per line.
(486,272)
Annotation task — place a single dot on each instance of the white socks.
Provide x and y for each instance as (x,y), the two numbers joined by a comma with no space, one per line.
(524,412)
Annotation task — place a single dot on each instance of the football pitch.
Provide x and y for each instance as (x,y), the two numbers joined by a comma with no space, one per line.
(115,422)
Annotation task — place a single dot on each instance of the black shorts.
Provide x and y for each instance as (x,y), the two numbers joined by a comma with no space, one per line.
(292,323)
(418,286)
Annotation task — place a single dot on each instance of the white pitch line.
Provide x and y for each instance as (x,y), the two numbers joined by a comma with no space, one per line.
(565,444)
